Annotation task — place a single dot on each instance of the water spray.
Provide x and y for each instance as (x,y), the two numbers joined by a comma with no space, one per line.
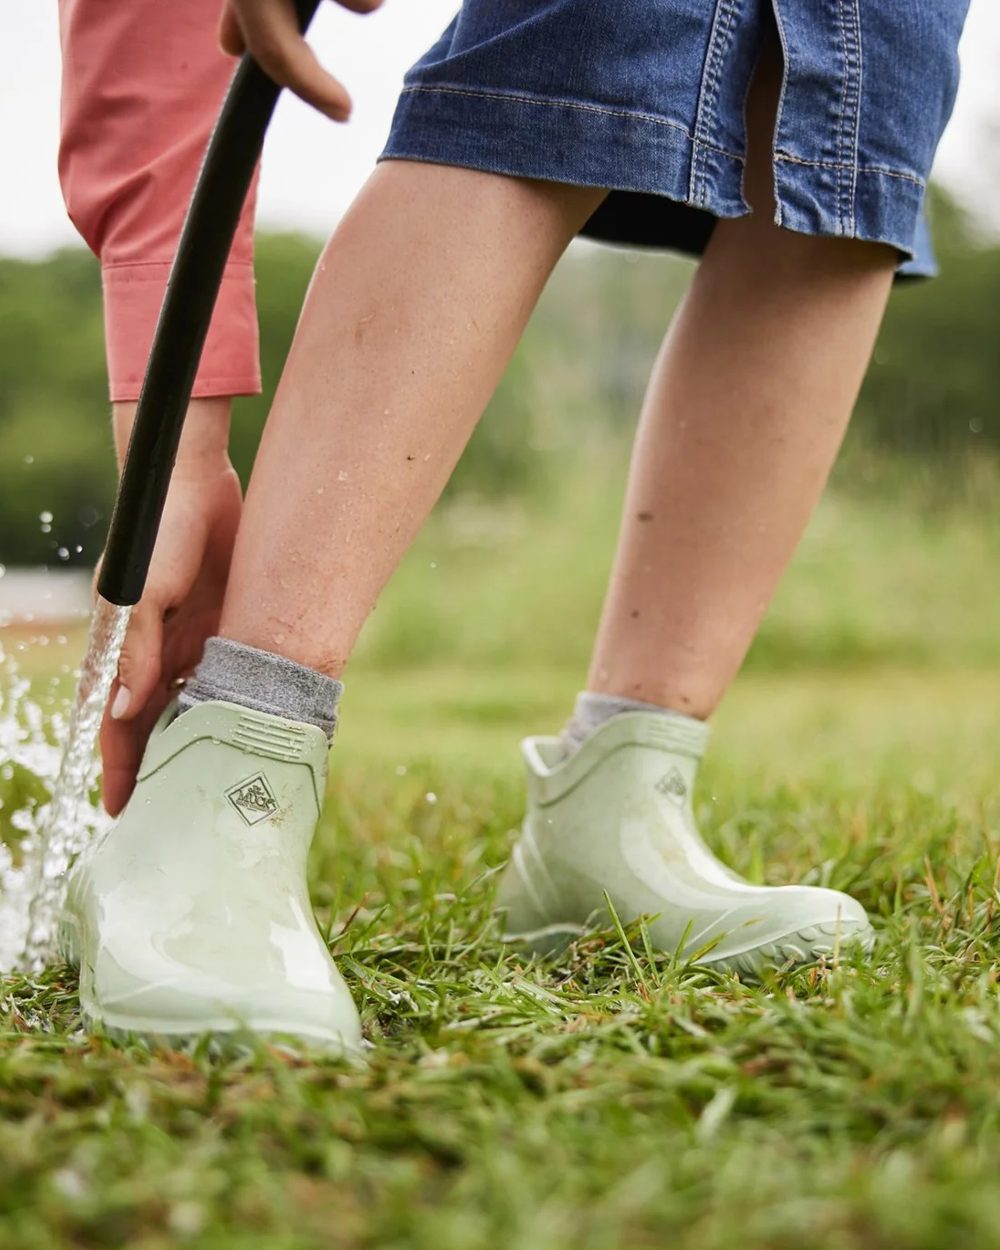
(192,288)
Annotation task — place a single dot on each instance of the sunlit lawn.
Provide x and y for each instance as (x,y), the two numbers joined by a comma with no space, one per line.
(604,1100)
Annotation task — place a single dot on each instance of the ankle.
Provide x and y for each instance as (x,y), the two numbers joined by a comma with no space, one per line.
(265,682)
(592,710)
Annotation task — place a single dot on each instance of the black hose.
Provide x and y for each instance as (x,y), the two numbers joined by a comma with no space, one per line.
(195,277)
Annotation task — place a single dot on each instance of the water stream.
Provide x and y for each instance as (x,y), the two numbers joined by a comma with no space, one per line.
(33,875)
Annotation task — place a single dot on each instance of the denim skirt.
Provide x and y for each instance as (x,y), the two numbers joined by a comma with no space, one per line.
(646,98)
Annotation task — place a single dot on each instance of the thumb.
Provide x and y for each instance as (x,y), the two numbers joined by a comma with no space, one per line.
(140,663)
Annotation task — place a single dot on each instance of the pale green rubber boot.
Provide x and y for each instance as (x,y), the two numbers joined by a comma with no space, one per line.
(617,816)
(192,915)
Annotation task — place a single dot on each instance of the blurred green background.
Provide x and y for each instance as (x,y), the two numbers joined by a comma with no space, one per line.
(895,568)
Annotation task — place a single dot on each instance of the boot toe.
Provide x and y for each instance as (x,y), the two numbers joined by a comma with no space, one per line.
(154,997)
(801,924)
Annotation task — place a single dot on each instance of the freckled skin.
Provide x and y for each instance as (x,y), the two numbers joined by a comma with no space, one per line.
(415,309)
(745,412)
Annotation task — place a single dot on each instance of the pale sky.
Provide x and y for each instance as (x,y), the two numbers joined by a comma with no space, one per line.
(312,168)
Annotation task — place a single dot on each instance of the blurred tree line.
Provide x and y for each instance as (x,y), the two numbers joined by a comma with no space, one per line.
(571,393)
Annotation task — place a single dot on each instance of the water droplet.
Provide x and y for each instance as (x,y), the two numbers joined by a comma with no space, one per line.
(430,797)
(62,553)
(45,517)
(29,459)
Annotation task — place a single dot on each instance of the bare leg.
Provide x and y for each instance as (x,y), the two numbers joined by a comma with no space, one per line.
(417,304)
(415,308)
(742,419)
(745,412)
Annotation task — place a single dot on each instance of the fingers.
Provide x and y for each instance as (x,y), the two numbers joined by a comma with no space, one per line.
(138,696)
(270,33)
(122,746)
(140,662)
(120,756)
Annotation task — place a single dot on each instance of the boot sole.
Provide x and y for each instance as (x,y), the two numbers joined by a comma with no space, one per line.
(790,950)
(796,947)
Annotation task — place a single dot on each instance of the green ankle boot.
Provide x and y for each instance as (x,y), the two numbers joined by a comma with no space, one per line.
(192,915)
(616,816)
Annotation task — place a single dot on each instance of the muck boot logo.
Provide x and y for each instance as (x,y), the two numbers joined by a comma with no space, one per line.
(253,799)
(672,785)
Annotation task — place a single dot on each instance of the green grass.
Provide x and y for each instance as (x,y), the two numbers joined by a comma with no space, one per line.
(607,1100)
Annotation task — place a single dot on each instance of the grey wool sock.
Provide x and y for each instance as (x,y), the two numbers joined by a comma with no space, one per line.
(592,710)
(264,682)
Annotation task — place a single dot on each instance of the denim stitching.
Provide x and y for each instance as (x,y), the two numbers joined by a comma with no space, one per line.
(861,169)
(709,89)
(850,99)
(841,164)
(708,98)
(858,79)
(628,114)
(849,117)
(779,110)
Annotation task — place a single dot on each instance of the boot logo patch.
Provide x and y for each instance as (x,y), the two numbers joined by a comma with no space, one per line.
(253,799)
(672,785)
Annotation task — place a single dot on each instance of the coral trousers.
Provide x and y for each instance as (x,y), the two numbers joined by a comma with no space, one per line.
(142,84)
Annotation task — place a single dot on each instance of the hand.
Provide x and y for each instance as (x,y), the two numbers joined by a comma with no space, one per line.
(269,31)
(182,601)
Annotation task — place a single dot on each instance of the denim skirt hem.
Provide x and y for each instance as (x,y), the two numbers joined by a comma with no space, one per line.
(646,98)
(647,164)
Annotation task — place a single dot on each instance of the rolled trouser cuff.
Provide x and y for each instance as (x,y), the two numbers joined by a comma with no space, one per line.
(133,294)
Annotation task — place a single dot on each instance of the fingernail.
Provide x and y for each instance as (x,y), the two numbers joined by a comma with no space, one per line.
(120,706)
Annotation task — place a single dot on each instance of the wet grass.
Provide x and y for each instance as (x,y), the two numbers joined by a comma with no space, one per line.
(609,1100)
